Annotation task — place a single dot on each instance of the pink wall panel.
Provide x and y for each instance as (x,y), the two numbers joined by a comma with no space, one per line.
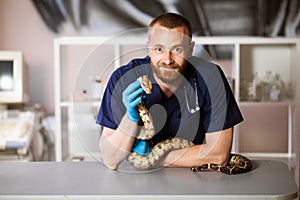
(265,129)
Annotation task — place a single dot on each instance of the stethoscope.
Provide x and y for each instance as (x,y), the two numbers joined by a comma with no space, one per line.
(193,110)
(197,108)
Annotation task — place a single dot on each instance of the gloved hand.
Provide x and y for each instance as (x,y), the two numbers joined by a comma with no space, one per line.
(131,98)
(141,147)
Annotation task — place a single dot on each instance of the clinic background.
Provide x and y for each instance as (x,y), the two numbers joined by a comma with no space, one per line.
(24,28)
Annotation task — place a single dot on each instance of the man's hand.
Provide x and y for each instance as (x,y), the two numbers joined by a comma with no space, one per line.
(141,147)
(131,98)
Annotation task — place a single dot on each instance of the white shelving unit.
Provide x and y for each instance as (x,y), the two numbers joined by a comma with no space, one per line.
(268,129)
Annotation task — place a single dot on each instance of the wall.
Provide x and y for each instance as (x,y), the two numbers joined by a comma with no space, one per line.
(21,28)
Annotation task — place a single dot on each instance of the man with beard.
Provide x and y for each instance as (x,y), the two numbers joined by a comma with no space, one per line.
(190,99)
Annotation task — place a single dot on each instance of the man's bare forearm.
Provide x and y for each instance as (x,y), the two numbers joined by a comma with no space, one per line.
(216,150)
(115,145)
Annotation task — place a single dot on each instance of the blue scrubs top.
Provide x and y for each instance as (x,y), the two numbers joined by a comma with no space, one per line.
(218,109)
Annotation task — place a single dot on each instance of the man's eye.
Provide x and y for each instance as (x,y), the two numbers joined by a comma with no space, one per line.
(159,49)
(177,50)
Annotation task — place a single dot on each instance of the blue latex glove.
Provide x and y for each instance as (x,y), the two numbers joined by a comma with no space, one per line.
(141,147)
(131,98)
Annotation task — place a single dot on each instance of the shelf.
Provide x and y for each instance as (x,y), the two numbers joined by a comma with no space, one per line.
(266,103)
(80,103)
(269,155)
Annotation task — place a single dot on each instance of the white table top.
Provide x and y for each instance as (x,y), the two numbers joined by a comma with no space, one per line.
(58,180)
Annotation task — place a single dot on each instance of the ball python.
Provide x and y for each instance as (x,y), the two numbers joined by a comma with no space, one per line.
(147,132)
(236,164)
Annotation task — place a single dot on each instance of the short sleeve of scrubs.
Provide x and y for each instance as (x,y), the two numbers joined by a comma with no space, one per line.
(219,109)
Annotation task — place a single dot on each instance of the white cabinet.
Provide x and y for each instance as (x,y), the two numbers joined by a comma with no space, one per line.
(267,130)
(83,65)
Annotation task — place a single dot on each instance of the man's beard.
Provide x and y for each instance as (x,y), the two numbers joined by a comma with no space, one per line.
(169,73)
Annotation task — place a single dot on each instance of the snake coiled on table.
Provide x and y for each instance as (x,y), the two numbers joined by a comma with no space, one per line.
(236,164)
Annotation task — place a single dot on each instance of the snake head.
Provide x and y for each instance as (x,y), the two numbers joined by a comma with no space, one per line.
(145,83)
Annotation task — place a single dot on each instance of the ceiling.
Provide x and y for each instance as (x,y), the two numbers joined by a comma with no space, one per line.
(208,17)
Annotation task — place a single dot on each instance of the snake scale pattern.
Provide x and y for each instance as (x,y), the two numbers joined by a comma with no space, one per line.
(237,164)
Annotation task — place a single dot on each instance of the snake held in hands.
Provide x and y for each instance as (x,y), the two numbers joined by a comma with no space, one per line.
(237,163)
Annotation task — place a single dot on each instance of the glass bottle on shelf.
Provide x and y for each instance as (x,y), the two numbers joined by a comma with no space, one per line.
(276,88)
(244,90)
(267,85)
(254,88)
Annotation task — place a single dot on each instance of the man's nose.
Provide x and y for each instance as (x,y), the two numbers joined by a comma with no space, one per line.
(168,57)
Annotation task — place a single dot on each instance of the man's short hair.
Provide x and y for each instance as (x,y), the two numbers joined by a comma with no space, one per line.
(172,20)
